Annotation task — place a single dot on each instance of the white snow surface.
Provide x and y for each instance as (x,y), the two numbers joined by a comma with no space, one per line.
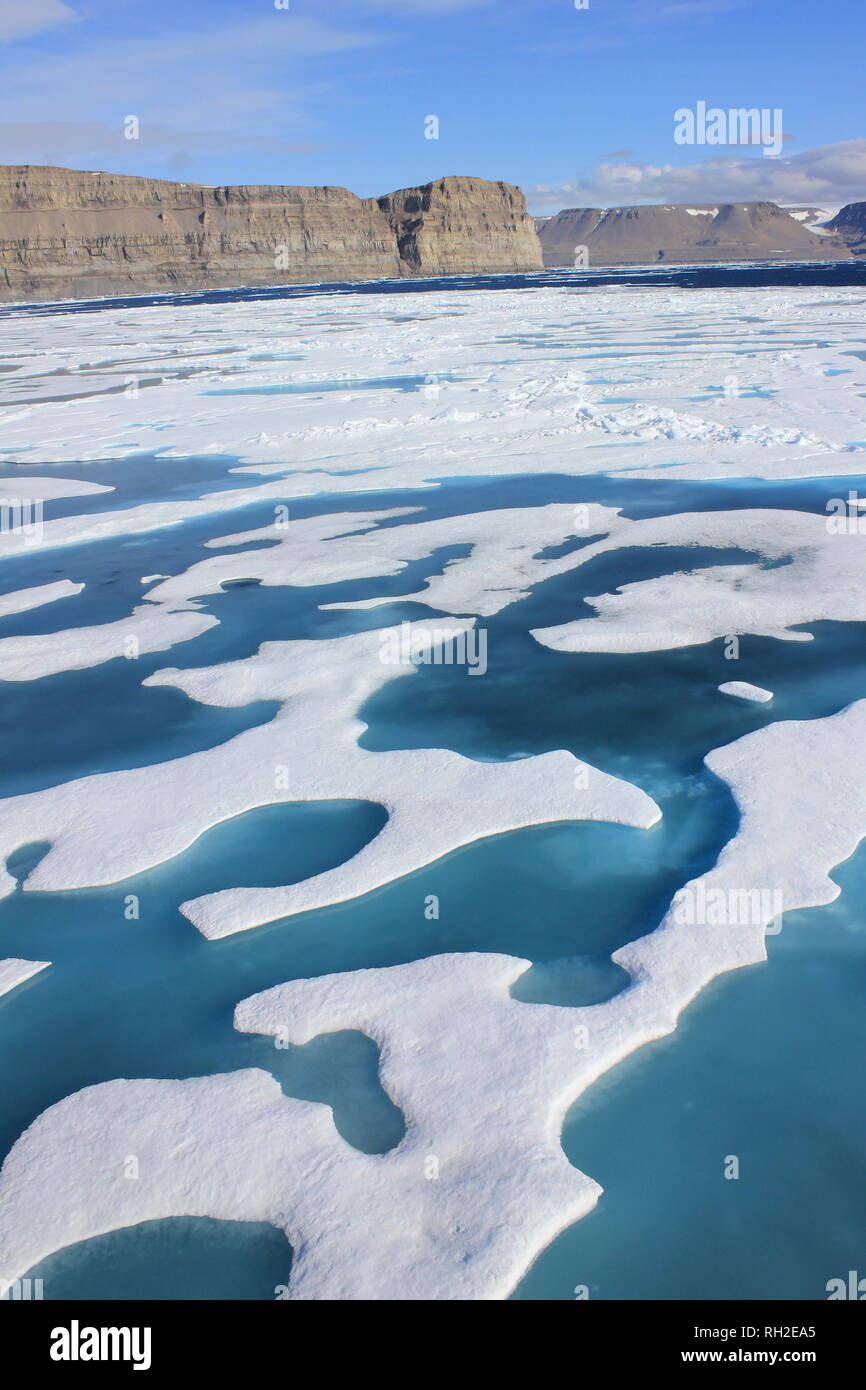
(509,382)
(28,658)
(28,488)
(22,600)
(14,972)
(743,690)
(108,826)
(439,1216)
(814,574)
(540,382)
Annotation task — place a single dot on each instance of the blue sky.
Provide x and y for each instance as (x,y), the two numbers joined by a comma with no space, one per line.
(576,106)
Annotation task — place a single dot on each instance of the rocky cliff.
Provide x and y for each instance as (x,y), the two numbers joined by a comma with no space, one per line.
(676,234)
(66,234)
(850,224)
(457,226)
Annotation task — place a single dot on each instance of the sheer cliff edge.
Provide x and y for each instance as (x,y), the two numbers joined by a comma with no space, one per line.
(66,234)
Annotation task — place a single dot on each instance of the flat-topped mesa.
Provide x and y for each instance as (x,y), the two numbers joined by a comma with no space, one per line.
(683,234)
(68,234)
(453,225)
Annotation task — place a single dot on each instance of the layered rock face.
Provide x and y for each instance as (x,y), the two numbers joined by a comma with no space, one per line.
(850,224)
(451,226)
(65,234)
(681,235)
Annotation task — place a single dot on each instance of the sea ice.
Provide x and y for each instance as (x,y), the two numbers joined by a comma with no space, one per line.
(105,827)
(502,393)
(744,691)
(817,577)
(22,600)
(479,1184)
(14,972)
(145,630)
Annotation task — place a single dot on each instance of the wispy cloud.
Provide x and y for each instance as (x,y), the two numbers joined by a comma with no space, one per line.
(187,86)
(828,175)
(22,19)
(93,144)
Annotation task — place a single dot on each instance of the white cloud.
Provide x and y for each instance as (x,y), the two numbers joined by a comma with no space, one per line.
(830,174)
(254,76)
(21,19)
(94,145)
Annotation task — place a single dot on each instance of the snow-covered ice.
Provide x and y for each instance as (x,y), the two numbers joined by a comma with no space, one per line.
(108,826)
(14,972)
(22,600)
(440,1216)
(816,577)
(743,690)
(647,383)
(499,392)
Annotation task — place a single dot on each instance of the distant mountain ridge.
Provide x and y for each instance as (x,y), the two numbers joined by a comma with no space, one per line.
(66,233)
(679,233)
(850,224)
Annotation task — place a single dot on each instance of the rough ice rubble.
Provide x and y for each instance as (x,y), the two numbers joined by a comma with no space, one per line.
(440,1216)
(534,385)
(108,826)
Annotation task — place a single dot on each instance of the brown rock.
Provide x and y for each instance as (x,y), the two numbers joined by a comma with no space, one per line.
(67,234)
(676,234)
(460,226)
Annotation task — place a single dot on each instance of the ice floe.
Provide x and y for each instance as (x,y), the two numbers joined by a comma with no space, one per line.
(742,690)
(816,575)
(503,564)
(499,392)
(45,654)
(479,1184)
(733,386)
(22,600)
(40,489)
(105,827)
(14,972)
